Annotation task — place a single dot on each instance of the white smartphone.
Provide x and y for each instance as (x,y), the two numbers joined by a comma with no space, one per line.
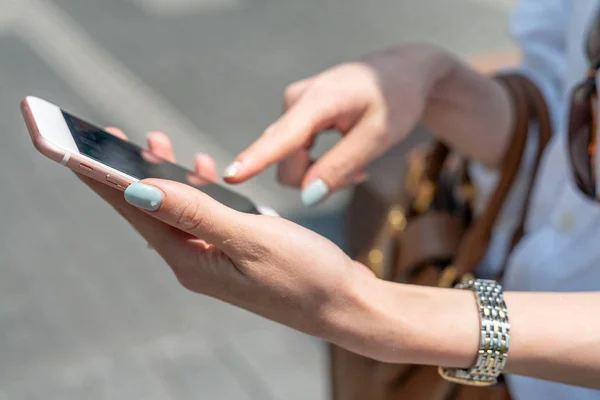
(91,151)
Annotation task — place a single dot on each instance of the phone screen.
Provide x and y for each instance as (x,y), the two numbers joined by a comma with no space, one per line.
(139,163)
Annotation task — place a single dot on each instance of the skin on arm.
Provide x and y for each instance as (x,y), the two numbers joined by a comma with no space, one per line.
(262,264)
(472,113)
(554,336)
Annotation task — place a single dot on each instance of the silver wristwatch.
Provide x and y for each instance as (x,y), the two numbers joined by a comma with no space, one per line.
(495,337)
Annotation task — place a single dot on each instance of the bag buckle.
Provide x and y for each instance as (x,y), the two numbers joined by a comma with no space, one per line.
(396,219)
(424,196)
(450,276)
(395,223)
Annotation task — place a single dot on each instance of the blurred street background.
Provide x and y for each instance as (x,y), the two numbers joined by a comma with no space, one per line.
(86,311)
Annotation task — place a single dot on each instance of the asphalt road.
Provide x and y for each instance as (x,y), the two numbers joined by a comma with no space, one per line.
(86,312)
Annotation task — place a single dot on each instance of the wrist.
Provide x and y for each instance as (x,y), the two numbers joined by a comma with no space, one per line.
(469,111)
(432,64)
(438,66)
(400,323)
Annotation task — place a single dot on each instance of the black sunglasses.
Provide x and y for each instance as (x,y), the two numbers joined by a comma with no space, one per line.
(583,118)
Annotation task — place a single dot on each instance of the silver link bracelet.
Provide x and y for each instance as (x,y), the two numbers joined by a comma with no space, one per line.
(495,337)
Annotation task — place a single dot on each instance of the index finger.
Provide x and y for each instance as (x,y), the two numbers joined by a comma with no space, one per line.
(293,131)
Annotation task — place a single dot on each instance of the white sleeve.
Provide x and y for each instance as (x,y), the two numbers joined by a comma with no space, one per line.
(540,29)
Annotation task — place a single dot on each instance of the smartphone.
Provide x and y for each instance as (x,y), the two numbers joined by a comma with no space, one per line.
(91,151)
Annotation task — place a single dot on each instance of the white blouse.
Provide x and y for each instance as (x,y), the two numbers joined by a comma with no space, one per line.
(561,248)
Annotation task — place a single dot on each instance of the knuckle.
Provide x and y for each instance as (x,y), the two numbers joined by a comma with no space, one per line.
(327,101)
(322,84)
(381,132)
(189,217)
(341,171)
(271,131)
(385,138)
(291,92)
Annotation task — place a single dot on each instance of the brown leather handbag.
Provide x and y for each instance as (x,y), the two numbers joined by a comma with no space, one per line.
(430,236)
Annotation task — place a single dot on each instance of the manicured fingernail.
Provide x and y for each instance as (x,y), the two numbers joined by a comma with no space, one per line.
(144,196)
(315,192)
(232,169)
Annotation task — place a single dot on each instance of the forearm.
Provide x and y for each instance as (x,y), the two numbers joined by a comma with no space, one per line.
(554,336)
(470,112)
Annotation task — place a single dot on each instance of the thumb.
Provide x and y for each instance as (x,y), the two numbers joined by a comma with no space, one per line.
(188,210)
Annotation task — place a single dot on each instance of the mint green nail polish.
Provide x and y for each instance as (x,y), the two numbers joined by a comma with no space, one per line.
(144,196)
(315,192)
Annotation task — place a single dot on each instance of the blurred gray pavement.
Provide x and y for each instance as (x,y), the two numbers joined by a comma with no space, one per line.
(86,311)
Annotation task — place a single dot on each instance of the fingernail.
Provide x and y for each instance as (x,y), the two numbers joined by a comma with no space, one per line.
(144,196)
(314,192)
(232,169)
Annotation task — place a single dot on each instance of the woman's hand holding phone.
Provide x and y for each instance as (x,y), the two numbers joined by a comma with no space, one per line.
(264,264)
(294,276)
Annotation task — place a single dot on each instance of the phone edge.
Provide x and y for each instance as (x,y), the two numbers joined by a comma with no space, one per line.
(74,162)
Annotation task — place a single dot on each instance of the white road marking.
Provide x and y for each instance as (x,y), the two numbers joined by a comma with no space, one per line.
(9,11)
(500,5)
(182,7)
(109,86)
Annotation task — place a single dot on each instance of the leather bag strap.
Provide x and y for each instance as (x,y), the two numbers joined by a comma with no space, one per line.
(528,104)
(539,111)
